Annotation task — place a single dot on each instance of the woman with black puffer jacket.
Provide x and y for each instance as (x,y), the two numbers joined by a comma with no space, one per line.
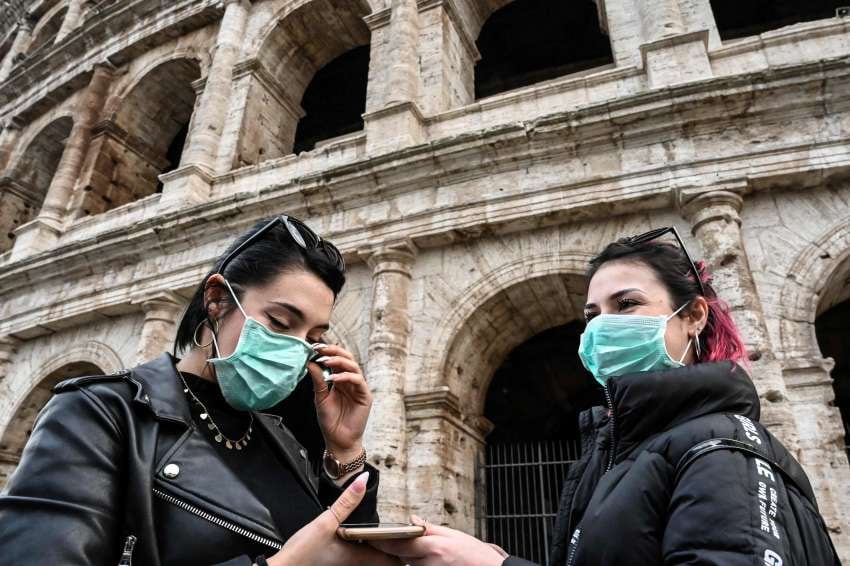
(676,469)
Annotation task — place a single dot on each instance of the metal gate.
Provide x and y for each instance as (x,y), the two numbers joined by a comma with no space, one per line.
(518,487)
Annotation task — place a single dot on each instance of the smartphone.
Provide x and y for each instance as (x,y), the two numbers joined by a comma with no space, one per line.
(379,531)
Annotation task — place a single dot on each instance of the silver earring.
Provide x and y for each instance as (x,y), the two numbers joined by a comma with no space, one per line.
(195,334)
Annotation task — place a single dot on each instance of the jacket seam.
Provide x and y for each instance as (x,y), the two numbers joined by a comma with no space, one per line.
(102,408)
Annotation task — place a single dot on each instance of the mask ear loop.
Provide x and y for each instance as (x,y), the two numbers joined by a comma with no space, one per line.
(690,340)
(214,341)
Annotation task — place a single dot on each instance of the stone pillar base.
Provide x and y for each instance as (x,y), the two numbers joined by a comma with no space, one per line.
(394,127)
(185,186)
(678,59)
(37,235)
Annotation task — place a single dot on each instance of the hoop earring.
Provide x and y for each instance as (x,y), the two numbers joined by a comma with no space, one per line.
(195,334)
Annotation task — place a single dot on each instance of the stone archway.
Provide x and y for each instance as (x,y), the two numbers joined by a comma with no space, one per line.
(269,86)
(23,190)
(142,137)
(446,426)
(815,280)
(18,429)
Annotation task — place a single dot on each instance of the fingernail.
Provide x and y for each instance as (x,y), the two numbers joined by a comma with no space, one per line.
(322,359)
(417,520)
(359,484)
(319,346)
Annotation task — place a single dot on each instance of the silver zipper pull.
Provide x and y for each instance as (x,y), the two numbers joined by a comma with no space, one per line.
(127,554)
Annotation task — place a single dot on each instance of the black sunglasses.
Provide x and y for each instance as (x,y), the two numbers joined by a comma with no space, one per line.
(657,233)
(299,232)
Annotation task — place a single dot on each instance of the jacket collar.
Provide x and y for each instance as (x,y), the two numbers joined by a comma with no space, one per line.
(159,388)
(650,402)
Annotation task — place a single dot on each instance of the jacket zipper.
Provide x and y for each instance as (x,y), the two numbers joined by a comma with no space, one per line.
(573,546)
(127,553)
(613,447)
(233,527)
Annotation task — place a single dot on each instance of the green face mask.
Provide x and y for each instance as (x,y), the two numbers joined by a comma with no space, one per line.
(265,367)
(617,344)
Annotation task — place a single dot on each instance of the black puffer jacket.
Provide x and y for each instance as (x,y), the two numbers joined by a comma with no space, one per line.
(623,503)
(94,473)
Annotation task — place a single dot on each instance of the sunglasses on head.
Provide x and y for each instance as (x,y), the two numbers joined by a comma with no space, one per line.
(657,233)
(300,232)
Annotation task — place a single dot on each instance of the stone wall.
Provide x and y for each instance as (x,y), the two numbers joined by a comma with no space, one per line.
(467,224)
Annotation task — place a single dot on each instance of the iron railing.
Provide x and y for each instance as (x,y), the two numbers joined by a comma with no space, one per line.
(518,488)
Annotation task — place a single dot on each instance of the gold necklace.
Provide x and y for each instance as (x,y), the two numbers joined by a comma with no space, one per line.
(205,416)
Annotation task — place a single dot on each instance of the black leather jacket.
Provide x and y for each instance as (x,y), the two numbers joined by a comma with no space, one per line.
(117,459)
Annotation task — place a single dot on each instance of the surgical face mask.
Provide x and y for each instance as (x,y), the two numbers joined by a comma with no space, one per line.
(617,344)
(264,368)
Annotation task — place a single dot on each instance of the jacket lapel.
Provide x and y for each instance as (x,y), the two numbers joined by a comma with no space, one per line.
(292,452)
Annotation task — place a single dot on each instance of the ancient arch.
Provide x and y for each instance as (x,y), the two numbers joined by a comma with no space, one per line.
(816,281)
(24,187)
(47,27)
(301,40)
(529,41)
(545,290)
(141,137)
(741,19)
(90,358)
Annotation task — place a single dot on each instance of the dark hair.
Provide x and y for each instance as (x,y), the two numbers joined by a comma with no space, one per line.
(273,253)
(720,339)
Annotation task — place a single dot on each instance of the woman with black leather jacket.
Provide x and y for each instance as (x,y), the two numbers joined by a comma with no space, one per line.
(174,461)
(676,468)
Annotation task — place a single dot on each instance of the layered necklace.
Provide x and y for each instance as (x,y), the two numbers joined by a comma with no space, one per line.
(218,435)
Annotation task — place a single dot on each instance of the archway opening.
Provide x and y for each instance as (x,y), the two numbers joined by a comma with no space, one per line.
(26,186)
(315,47)
(529,41)
(47,32)
(832,328)
(737,19)
(142,140)
(335,100)
(19,428)
(533,402)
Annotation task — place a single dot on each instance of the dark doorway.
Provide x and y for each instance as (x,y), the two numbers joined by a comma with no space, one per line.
(335,100)
(534,401)
(174,153)
(741,19)
(529,41)
(832,328)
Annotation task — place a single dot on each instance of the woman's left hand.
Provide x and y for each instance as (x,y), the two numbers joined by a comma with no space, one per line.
(344,409)
(442,546)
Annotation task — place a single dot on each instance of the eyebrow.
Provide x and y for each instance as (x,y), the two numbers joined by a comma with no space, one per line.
(616,295)
(298,313)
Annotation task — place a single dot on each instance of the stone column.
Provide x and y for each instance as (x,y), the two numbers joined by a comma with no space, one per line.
(191,181)
(393,119)
(716,222)
(41,233)
(447,56)
(821,440)
(671,52)
(162,315)
(444,447)
(386,365)
(8,139)
(19,45)
(8,348)
(71,20)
